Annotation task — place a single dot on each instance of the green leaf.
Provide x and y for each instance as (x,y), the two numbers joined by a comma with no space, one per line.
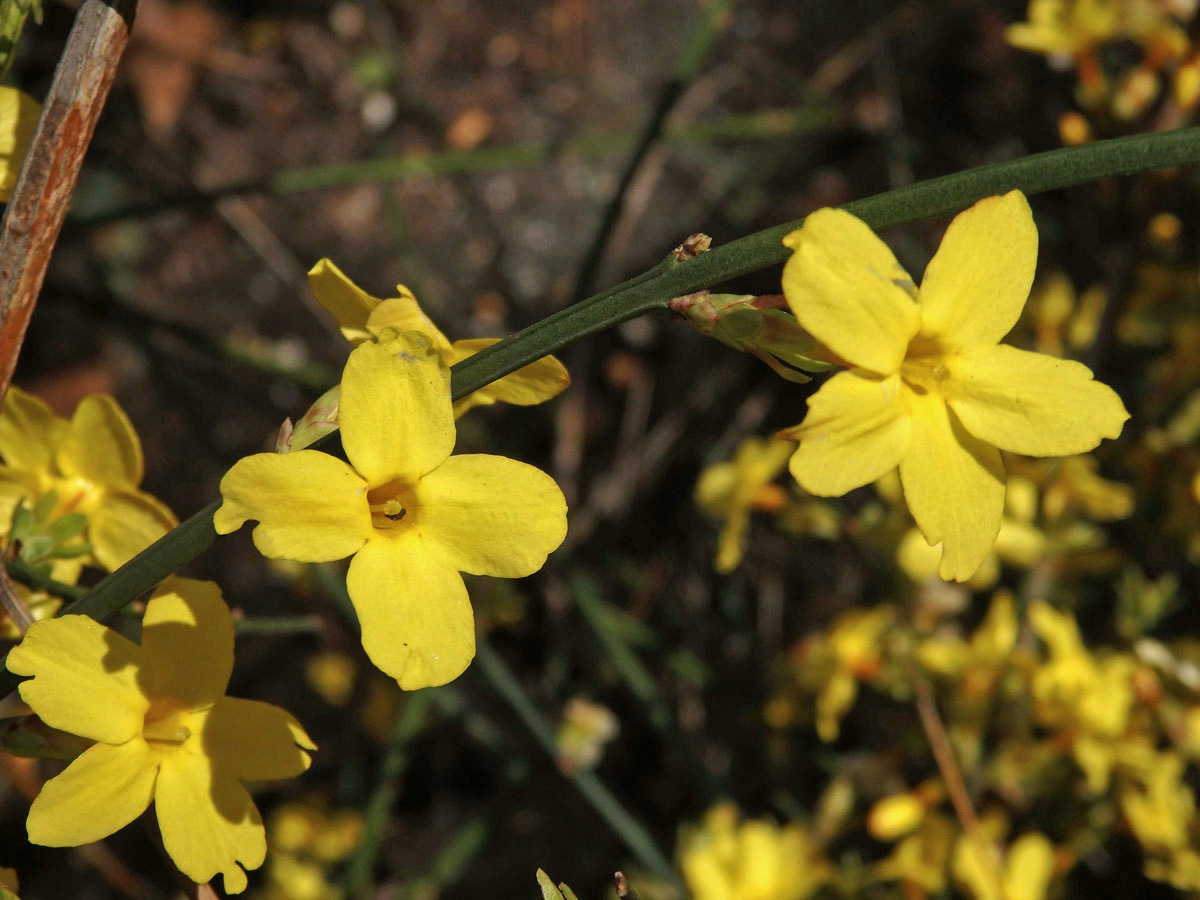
(22,521)
(44,506)
(66,527)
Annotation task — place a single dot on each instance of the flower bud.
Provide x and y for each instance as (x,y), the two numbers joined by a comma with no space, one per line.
(320,420)
(759,326)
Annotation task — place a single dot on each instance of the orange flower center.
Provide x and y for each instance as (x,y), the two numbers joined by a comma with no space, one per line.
(394,506)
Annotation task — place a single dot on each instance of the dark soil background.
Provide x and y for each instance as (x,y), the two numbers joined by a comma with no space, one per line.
(161,294)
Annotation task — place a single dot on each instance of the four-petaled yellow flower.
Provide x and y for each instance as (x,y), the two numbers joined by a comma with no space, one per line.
(93,463)
(165,733)
(412,515)
(929,388)
(362,317)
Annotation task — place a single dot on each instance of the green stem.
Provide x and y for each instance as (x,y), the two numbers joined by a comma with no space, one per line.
(635,835)
(279,625)
(939,196)
(671,278)
(764,125)
(32,578)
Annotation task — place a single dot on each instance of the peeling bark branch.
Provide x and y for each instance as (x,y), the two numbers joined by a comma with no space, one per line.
(35,216)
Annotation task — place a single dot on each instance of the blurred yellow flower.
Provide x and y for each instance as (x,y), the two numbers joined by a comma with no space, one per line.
(93,464)
(582,734)
(1087,697)
(307,842)
(362,317)
(724,859)
(920,861)
(896,815)
(19,115)
(732,490)
(164,731)
(1025,872)
(929,388)
(1068,27)
(852,651)
(412,516)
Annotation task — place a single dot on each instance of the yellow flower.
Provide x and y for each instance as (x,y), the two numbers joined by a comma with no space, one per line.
(723,859)
(1067,27)
(731,490)
(93,464)
(920,860)
(362,317)
(164,731)
(1026,873)
(306,843)
(854,651)
(930,390)
(1089,698)
(18,118)
(410,514)
(582,734)
(1161,810)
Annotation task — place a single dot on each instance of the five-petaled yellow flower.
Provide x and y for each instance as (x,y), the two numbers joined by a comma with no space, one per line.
(412,515)
(93,463)
(361,317)
(930,389)
(165,733)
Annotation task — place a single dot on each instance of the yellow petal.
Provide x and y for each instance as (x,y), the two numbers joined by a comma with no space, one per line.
(208,822)
(15,486)
(310,506)
(349,304)
(397,420)
(187,642)
(101,446)
(85,678)
(29,431)
(1031,403)
(1029,868)
(528,386)
(978,281)
(254,740)
(731,542)
(402,314)
(416,618)
(102,791)
(489,515)
(845,287)
(954,487)
(857,430)
(18,118)
(124,523)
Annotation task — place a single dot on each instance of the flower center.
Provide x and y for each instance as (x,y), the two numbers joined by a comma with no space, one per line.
(924,367)
(164,724)
(394,506)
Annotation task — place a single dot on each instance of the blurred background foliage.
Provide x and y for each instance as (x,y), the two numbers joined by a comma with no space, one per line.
(822,717)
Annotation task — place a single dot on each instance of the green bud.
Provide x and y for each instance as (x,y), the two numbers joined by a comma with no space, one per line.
(320,420)
(759,326)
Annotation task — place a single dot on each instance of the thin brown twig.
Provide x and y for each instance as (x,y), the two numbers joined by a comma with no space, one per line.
(956,787)
(11,603)
(39,203)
